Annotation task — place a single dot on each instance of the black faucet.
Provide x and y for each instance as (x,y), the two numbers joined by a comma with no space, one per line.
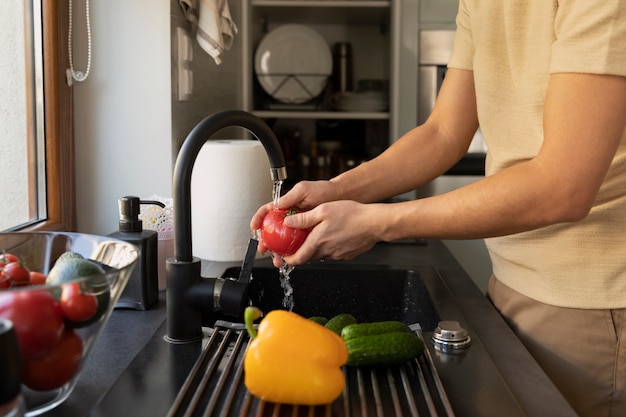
(186,289)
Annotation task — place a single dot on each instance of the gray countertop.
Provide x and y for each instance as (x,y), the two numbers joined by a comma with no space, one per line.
(133,371)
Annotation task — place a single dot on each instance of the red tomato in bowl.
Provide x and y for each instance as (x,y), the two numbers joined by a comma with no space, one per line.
(6,258)
(78,305)
(4,281)
(57,367)
(37,319)
(37,278)
(281,239)
(17,274)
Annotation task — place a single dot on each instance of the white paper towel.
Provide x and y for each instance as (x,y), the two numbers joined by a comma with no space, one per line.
(229,182)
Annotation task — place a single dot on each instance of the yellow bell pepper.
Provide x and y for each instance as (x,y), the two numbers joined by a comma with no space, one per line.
(293,360)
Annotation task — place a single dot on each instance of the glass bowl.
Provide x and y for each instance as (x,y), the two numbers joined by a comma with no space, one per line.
(58,324)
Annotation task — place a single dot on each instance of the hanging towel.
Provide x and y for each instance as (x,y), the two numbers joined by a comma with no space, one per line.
(214,26)
(190,10)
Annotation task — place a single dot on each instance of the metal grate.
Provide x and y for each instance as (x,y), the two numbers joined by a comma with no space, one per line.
(215,386)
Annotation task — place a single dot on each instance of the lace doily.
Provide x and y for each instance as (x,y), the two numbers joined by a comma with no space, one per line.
(158,219)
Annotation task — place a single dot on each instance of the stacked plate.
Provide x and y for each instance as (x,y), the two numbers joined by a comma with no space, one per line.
(368,101)
(292,63)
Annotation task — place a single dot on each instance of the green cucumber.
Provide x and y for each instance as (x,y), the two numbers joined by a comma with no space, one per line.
(319,320)
(337,323)
(353,331)
(384,349)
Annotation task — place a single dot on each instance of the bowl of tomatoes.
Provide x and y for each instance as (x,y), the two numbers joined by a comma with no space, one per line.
(58,290)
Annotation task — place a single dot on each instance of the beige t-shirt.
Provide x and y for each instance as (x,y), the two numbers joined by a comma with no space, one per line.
(512,47)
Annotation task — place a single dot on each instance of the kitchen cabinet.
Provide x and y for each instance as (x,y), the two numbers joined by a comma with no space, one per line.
(372,28)
(438,14)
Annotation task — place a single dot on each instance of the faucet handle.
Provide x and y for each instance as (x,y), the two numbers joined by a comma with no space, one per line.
(248,261)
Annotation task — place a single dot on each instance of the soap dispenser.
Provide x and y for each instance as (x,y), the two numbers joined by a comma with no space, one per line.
(142,289)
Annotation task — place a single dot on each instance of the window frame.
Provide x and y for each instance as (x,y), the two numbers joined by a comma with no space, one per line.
(59,121)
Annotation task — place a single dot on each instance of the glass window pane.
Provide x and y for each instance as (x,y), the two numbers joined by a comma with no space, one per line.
(22,157)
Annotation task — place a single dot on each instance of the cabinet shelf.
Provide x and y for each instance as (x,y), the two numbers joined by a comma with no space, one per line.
(322,3)
(343,11)
(372,28)
(275,114)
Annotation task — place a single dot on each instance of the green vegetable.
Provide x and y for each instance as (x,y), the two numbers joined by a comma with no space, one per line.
(71,266)
(319,320)
(69,255)
(337,323)
(384,349)
(353,331)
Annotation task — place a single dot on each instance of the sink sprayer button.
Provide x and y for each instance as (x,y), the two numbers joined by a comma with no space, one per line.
(450,336)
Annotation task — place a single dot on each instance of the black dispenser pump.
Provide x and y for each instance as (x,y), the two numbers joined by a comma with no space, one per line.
(142,290)
(129,214)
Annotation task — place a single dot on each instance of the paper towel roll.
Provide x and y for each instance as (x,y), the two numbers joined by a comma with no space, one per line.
(229,182)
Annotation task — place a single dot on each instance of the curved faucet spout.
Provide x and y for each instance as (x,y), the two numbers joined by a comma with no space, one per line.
(184,323)
(187,157)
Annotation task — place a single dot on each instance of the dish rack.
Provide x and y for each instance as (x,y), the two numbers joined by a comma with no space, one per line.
(215,386)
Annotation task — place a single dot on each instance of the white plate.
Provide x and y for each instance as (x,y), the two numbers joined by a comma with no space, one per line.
(292,63)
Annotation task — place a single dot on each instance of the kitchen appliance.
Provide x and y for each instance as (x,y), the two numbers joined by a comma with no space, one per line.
(435,51)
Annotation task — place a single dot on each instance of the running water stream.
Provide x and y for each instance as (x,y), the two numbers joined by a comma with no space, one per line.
(278,185)
(284,270)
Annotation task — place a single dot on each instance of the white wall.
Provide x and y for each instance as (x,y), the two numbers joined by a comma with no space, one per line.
(123,111)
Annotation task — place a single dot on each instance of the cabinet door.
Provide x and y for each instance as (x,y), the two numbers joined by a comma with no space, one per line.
(438,11)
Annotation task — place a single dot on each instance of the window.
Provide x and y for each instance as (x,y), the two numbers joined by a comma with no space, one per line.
(36,141)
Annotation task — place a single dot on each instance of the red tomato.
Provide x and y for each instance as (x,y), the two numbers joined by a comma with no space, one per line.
(16,274)
(6,258)
(4,281)
(278,238)
(57,367)
(37,319)
(37,278)
(78,306)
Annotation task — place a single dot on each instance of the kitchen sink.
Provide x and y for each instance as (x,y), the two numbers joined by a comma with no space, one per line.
(368,292)
(492,377)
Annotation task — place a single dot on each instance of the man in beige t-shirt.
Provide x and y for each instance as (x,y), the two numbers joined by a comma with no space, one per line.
(546,82)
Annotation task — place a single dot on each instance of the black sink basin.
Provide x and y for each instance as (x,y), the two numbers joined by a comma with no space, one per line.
(369,293)
(495,376)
